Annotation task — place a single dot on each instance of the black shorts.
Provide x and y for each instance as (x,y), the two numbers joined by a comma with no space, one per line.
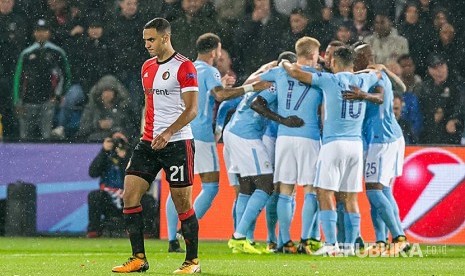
(176,159)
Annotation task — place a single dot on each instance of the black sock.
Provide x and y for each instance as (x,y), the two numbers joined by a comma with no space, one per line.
(135,227)
(190,231)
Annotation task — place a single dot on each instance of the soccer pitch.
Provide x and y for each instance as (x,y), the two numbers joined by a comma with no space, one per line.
(81,256)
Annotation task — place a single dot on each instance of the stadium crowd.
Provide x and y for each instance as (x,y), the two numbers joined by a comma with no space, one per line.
(70,69)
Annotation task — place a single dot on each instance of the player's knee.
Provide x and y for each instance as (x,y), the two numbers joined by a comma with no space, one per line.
(246,186)
(266,187)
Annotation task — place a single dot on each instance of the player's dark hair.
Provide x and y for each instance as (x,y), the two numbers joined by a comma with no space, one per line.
(336,43)
(287,55)
(207,42)
(344,55)
(160,24)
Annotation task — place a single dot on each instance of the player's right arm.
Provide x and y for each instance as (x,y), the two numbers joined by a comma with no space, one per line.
(356,93)
(294,71)
(260,105)
(225,93)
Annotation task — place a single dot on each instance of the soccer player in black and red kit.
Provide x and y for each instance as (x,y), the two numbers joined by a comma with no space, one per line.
(170,86)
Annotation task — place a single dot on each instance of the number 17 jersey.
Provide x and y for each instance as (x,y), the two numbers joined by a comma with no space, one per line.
(295,98)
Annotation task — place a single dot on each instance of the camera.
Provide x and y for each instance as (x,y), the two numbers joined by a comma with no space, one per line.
(119,143)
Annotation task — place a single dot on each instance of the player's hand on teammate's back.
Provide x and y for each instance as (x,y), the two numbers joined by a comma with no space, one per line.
(355,93)
(293,121)
(261,85)
(161,140)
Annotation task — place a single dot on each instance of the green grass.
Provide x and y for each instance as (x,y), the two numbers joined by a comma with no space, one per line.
(80,256)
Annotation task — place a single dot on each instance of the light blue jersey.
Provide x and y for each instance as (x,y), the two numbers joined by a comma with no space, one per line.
(246,123)
(223,111)
(295,98)
(380,124)
(208,77)
(343,119)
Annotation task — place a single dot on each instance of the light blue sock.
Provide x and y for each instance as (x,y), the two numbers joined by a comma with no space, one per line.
(309,210)
(171,218)
(234,214)
(328,219)
(352,227)
(250,233)
(316,233)
(378,225)
(285,214)
(241,204)
(272,217)
(340,222)
(255,205)
(387,191)
(294,206)
(379,201)
(204,200)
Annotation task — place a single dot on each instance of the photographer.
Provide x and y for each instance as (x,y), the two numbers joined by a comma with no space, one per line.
(106,204)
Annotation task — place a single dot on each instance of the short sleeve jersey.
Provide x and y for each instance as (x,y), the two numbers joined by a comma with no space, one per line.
(342,119)
(380,125)
(208,78)
(295,98)
(163,83)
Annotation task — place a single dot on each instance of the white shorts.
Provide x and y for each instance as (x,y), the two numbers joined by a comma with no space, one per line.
(232,177)
(247,157)
(400,157)
(270,145)
(205,157)
(340,166)
(383,161)
(296,159)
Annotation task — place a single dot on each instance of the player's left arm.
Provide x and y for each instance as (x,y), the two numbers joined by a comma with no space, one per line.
(377,96)
(255,76)
(397,83)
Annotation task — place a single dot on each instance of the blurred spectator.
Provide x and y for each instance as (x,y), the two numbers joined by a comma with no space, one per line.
(441,103)
(344,34)
(13,38)
(415,30)
(42,76)
(168,9)
(285,7)
(259,39)
(106,204)
(451,48)
(440,17)
(426,10)
(64,21)
(385,41)
(230,10)
(325,28)
(363,20)
(127,53)
(409,136)
(91,58)
(106,112)
(411,108)
(342,12)
(299,26)
(189,26)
